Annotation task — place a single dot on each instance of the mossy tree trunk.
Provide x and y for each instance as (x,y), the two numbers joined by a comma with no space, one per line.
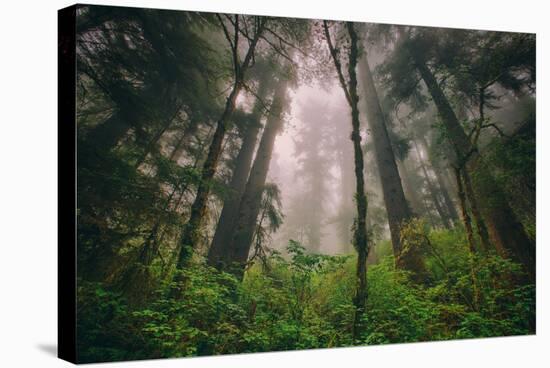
(360,239)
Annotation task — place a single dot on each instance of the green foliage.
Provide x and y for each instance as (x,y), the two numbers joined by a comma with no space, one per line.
(303,301)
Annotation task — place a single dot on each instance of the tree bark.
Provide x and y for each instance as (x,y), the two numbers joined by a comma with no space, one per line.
(345,212)
(432,190)
(394,197)
(470,237)
(443,215)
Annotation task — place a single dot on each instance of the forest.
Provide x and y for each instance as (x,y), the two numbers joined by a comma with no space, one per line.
(253,183)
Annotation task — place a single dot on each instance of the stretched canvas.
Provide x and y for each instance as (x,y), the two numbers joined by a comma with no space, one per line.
(248,183)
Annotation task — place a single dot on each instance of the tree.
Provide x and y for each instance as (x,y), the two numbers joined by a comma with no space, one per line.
(198,208)
(228,218)
(394,197)
(235,255)
(313,172)
(140,74)
(112,51)
(506,232)
(360,226)
(412,56)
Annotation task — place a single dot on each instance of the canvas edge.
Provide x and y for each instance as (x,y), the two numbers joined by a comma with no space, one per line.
(66,176)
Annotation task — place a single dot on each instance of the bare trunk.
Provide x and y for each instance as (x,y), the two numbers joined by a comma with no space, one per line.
(345,213)
(449,204)
(193,227)
(470,237)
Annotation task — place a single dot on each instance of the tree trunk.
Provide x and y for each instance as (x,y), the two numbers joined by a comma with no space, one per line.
(192,228)
(360,236)
(470,236)
(506,233)
(314,219)
(235,256)
(394,198)
(465,216)
(443,215)
(228,217)
(480,223)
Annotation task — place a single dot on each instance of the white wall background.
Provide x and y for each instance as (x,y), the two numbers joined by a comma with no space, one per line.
(28,182)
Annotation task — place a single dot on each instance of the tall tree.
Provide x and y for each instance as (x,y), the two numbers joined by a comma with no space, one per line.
(123,103)
(235,255)
(411,61)
(243,161)
(507,234)
(443,188)
(394,197)
(360,232)
(193,226)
